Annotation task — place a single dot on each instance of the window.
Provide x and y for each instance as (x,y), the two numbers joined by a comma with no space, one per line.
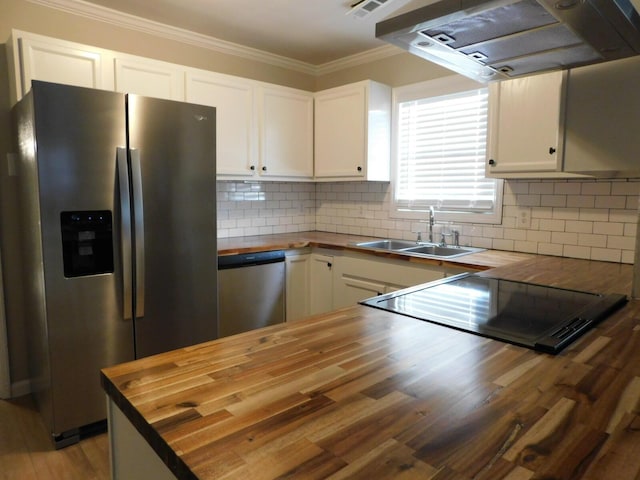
(440,152)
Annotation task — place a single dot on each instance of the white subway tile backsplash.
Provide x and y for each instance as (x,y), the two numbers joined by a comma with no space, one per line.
(596,188)
(594,215)
(527,247)
(608,228)
(538,236)
(605,254)
(626,188)
(611,201)
(575,251)
(591,240)
(550,249)
(580,218)
(541,188)
(552,225)
(581,201)
(553,200)
(566,188)
(578,226)
(566,213)
(564,238)
(500,244)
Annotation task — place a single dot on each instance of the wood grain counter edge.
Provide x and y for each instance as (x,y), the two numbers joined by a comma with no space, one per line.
(335,241)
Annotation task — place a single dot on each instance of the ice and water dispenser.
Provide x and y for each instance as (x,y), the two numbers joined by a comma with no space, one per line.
(87,242)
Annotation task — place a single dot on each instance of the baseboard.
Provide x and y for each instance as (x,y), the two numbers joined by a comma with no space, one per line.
(21,388)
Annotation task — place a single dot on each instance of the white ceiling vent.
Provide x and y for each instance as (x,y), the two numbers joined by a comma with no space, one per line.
(362,8)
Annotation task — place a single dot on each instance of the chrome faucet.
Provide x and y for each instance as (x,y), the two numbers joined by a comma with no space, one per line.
(432,220)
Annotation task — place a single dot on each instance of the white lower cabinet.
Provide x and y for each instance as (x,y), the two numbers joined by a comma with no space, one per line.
(309,284)
(321,292)
(297,285)
(131,455)
(322,280)
(357,277)
(354,289)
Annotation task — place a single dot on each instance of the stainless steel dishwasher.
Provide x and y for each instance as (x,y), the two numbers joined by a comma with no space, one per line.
(251,291)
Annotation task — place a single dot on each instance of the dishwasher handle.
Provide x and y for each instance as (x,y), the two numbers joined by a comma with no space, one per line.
(249,259)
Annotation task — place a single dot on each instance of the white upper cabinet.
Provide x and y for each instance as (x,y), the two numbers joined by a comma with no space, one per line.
(35,57)
(149,78)
(286,133)
(352,132)
(233,97)
(603,118)
(526,126)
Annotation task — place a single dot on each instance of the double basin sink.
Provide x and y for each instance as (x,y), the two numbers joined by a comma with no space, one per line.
(430,250)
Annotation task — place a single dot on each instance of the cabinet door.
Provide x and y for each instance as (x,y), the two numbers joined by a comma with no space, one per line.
(321,292)
(526,124)
(149,78)
(233,97)
(286,133)
(603,116)
(340,132)
(297,286)
(353,290)
(60,62)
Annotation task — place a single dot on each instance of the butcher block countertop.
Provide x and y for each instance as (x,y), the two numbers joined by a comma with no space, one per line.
(337,241)
(363,393)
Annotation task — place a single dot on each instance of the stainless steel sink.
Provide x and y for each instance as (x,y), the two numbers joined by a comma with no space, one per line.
(438,251)
(388,244)
(418,249)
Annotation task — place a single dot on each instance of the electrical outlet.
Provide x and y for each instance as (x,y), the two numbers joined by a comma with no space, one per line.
(524,217)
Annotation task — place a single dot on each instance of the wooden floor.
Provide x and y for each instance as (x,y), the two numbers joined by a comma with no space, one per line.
(26,451)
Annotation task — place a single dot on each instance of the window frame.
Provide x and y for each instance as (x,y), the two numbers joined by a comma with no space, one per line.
(434,88)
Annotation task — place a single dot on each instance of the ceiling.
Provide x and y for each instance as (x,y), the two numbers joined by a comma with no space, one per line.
(310,31)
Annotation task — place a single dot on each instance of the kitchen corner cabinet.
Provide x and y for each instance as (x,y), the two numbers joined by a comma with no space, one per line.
(321,291)
(285,117)
(298,276)
(35,57)
(352,132)
(526,126)
(150,78)
(237,136)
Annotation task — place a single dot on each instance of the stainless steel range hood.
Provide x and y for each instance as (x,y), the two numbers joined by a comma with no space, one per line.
(491,40)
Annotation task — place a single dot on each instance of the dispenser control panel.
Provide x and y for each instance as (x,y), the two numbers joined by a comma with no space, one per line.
(87,242)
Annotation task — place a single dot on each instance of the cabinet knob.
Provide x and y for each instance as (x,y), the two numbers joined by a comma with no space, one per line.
(552,150)
(329,265)
(359,169)
(264,169)
(492,161)
(252,167)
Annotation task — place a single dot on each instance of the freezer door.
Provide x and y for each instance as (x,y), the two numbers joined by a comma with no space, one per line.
(77,321)
(172,151)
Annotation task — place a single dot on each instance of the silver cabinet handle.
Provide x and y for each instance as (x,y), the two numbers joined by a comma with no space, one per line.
(125,230)
(138,222)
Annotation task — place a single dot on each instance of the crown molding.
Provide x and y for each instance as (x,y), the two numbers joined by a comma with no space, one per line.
(103,14)
(372,55)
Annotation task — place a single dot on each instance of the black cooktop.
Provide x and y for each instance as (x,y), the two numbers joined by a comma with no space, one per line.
(536,316)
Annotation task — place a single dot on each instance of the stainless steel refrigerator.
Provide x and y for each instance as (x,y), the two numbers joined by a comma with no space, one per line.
(119,233)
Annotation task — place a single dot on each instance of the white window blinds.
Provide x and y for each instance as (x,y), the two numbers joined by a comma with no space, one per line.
(441,144)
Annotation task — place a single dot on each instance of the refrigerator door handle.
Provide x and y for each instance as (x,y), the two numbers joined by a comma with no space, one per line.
(138,222)
(125,231)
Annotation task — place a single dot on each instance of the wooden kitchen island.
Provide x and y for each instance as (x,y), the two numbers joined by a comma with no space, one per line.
(362,393)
